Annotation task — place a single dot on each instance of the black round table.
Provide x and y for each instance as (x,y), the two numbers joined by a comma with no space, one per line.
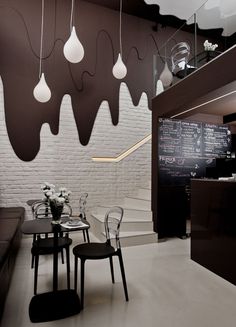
(56,304)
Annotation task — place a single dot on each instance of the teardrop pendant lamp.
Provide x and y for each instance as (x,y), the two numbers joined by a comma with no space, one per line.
(166,76)
(73,49)
(41,91)
(119,70)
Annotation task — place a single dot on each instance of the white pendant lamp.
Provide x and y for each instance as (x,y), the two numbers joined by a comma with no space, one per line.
(166,76)
(119,70)
(73,49)
(41,91)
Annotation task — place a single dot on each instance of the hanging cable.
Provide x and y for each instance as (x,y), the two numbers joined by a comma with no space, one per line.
(41,40)
(72,14)
(120,27)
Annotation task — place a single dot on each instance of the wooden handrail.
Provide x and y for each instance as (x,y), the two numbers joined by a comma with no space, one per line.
(126,153)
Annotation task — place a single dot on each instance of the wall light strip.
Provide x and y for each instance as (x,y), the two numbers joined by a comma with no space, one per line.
(203,104)
(125,153)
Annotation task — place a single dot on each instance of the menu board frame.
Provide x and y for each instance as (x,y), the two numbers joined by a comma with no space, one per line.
(186,148)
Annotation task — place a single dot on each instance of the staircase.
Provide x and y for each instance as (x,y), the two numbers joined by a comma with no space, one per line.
(136,226)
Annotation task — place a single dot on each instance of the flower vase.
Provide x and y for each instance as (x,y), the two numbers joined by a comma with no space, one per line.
(56,211)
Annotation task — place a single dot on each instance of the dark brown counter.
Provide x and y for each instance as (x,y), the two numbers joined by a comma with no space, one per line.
(213,226)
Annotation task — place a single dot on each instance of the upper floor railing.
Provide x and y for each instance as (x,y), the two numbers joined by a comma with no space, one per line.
(206,34)
(209,32)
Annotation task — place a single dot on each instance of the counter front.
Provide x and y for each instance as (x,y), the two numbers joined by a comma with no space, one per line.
(213,226)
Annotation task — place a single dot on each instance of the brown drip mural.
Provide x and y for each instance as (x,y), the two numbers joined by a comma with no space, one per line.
(88,82)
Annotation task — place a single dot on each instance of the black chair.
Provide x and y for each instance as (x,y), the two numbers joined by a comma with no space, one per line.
(34,204)
(97,251)
(46,245)
(41,210)
(43,246)
(82,210)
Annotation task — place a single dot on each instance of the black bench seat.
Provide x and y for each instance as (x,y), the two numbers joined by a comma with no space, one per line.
(10,236)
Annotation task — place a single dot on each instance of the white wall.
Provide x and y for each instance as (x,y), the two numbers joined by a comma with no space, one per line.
(62,160)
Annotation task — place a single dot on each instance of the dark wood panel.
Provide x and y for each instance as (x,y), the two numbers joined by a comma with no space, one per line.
(210,78)
(172,211)
(213,226)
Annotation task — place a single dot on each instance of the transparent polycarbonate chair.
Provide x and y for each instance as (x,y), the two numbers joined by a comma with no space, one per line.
(97,251)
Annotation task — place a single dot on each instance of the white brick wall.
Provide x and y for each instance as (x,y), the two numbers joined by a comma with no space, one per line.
(62,160)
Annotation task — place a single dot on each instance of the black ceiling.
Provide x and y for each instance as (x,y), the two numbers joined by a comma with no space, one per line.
(133,7)
(152,12)
(140,9)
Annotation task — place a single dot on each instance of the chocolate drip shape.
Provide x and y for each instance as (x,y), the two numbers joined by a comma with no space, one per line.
(88,82)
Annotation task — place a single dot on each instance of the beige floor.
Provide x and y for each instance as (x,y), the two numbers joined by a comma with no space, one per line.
(166,289)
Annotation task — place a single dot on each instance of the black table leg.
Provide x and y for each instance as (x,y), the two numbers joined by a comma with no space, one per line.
(55,263)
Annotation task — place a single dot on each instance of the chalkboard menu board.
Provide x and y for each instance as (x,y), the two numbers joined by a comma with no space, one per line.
(186,148)
(216,140)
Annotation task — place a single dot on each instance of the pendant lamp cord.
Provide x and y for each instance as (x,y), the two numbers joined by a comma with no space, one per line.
(71,15)
(120,28)
(41,41)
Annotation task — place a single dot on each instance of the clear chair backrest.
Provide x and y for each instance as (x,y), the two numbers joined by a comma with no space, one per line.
(34,205)
(82,204)
(179,56)
(112,223)
(67,210)
(42,210)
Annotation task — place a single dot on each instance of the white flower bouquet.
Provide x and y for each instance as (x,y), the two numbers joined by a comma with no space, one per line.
(208,46)
(55,200)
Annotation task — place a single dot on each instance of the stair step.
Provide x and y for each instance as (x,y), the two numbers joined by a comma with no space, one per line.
(126,219)
(136,238)
(137,224)
(128,212)
(141,204)
(144,193)
(128,224)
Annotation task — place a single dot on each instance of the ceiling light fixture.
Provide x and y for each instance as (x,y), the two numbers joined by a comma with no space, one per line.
(119,70)
(73,49)
(41,91)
